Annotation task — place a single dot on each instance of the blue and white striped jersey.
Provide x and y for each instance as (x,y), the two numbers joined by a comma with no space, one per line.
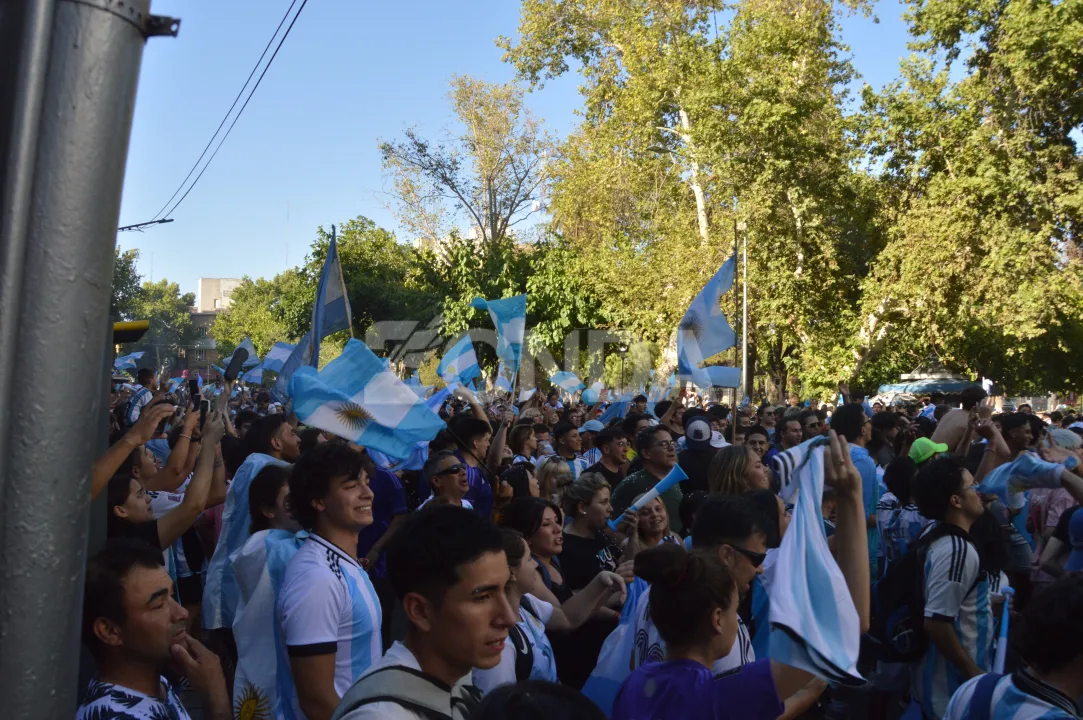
(136,404)
(1019,696)
(957,592)
(327,605)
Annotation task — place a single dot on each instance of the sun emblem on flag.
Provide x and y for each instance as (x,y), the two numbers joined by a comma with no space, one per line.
(353,415)
(692,324)
(252,704)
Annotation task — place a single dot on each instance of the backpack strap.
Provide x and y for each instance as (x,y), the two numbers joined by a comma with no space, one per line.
(524,653)
(981,701)
(412,689)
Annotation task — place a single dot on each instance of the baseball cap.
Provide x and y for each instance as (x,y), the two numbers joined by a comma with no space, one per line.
(592,426)
(697,433)
(925,449)
(1075,535)
(718,440)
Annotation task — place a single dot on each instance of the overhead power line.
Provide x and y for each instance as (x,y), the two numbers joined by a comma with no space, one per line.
(159,217)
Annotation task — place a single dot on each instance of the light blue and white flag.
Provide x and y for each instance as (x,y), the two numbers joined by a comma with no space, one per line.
(502,382)
(277,356)
(254,376)
(259,567)
(459,363)
(300,356)
(331,311)
(174,383)
(252,360)
(716,376)
(358,399)
(221,370)
(127,362)
(815,624)
(618,409)
(704,331)
(509,318)
(221,594)
(1023,473)
(569,382)
(414,461)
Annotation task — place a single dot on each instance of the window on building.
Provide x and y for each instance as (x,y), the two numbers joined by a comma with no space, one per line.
(218,303)
(200,355)
(201,331)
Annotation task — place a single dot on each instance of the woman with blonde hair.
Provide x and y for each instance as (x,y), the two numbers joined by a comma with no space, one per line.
(736,470)
(554,476)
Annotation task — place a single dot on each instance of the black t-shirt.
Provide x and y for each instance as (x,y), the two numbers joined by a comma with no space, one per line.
(583,558)
(613,478)
(695,464)
(1060,533)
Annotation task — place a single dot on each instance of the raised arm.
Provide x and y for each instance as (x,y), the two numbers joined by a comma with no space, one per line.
(578,609)
(174,523)
(107,465)
(851,548)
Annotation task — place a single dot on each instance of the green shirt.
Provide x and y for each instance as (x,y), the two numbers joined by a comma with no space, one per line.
(640,482)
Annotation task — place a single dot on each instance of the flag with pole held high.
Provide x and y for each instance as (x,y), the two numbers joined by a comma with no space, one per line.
(127,362)
(509,318)
(359,399)
(704,330)
(460,363)
(330,313)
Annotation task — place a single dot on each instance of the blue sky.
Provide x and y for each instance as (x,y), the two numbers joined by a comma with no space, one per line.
(305,151)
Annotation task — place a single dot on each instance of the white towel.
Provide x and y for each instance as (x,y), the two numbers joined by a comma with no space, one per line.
(814,624)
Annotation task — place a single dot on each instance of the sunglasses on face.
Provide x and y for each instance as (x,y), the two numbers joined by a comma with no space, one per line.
(753,557)
(453,470)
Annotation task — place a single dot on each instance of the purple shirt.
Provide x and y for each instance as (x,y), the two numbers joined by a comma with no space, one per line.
(480,493)
(687,690)
(389,500)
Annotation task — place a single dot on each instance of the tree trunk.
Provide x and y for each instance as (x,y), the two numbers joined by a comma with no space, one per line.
(694,179)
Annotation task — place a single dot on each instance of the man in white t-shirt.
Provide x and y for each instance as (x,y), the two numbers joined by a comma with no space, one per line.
(448,568)
(327,609)
(960,638)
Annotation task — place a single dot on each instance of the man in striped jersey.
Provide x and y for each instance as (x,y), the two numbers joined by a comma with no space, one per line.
(327,609)
(1051,684)
(146,385)
(960,638)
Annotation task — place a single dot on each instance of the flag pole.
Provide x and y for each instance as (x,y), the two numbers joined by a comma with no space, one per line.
(342,281)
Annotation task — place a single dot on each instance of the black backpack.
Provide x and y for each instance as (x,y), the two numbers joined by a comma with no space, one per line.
(898,602)
(524,651)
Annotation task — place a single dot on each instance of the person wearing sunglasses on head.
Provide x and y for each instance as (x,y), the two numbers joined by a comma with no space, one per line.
(447,478)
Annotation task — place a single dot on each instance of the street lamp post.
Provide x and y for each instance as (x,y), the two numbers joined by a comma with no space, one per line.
(623,354)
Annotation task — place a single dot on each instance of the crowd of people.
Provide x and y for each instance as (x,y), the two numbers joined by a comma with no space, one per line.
(260,569)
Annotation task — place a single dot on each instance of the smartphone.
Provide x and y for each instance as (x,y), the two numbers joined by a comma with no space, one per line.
(193,391)
(240,355)
(204,408)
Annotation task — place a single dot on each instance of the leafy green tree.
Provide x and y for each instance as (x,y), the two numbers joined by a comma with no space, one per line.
(126,279)
(169,313)
(983,185)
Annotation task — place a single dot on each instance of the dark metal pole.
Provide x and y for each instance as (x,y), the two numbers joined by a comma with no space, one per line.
(56,362)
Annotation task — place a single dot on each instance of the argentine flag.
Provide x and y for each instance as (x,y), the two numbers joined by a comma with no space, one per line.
(127,362)
(254,376)
(567,381)
(358,399)
(459,363)
(277,356)
(703,330)
(259,567)
(502,383)
(253,357)
(300,356)
(331,311)
(716,376)
(509,318)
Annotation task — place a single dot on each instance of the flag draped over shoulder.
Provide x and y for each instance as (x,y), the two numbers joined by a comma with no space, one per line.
(509,318)
(358,398)
(704,330)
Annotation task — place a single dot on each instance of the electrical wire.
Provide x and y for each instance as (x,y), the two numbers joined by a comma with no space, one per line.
(239,112)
